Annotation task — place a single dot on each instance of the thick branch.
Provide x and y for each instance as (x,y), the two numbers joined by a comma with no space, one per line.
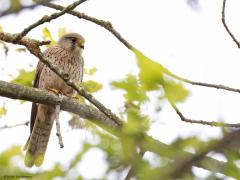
(15,91)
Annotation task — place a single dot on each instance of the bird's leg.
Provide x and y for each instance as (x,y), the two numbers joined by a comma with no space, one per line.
(57,111)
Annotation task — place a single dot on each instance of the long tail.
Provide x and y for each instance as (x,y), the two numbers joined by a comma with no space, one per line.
(37,143)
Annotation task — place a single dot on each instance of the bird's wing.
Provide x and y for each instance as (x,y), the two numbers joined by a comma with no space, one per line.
(35,84)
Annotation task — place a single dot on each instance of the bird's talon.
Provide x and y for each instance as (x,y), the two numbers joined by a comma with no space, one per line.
(75,97)
(55,91)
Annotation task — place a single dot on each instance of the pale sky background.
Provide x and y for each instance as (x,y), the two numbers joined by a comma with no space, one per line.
(190,43)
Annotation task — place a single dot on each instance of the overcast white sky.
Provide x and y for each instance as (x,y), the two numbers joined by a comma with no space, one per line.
(190,43)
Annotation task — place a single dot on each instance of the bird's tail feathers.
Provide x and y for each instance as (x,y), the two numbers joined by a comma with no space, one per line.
(37,143)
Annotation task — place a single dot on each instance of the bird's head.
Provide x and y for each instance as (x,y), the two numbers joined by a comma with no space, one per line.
(72,42)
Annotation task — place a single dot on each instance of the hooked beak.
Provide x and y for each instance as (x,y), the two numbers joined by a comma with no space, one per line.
(80,44)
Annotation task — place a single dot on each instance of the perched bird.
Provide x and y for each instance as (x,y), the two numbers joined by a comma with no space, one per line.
(67,55)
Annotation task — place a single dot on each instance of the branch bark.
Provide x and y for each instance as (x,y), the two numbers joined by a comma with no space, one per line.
(15,91)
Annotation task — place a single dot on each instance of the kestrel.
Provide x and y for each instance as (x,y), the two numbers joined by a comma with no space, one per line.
(67,55)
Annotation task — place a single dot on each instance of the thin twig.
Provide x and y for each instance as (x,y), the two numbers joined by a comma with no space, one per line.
(21,124)
(212,123)
(46,18)
(225,25)
(216,86)
(19,9)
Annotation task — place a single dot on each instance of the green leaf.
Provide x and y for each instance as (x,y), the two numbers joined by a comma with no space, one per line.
(8,154)
(48,36)
(151,73)
(134,90)
(175,91)
(24,77)
(92,86)
(90,71)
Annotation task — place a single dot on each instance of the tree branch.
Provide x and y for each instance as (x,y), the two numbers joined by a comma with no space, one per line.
(216,86)
(15,91)
(212,123)
(27,42)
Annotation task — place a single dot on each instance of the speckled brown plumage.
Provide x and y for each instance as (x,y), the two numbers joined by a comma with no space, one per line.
(67,55)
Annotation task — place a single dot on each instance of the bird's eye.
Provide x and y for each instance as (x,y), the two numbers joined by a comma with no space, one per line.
(73,40)
(82,46)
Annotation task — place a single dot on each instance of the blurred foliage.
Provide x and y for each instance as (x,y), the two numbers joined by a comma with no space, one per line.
(90,71)
(92,86)
(151,76)
(122,153)
(25,78)
(134,90)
